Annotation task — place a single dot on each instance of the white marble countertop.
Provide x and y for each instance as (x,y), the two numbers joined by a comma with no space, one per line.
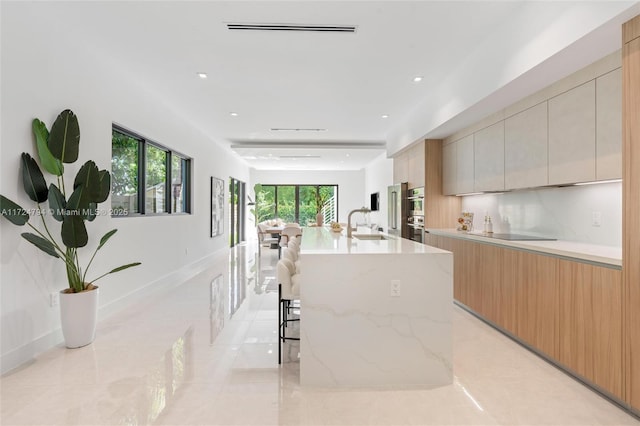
(317,240)
(581,251)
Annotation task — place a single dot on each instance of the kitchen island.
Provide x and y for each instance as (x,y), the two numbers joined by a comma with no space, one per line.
(374,312)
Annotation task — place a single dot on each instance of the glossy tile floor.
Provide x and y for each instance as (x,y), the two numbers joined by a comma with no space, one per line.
(205,353)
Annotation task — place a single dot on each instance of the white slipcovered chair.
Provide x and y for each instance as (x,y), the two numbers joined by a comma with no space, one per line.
(289,232)
(288,291)
(290,254)
(264,238)
(294,243)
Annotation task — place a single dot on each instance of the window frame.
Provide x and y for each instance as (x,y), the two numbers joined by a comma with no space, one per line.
(142,178)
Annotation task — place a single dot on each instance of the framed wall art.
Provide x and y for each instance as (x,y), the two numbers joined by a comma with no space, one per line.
(217,206)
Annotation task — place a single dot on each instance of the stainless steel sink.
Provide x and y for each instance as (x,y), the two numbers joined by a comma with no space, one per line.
(370,237)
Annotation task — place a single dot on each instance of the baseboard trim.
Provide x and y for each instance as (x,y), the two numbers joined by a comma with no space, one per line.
(25,354)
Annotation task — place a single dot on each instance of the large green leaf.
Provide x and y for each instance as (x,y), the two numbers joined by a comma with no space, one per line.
(91,213)
(48,161)
(88,178)
(64,139)
(105,238)
(44,245)
(13,212)
(123,267)
(105,186)
(33,180)
(74,233)
(57,203)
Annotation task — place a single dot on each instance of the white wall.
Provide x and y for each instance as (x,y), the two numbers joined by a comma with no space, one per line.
(351,191)
(378,176)
(42,74)
(563,213)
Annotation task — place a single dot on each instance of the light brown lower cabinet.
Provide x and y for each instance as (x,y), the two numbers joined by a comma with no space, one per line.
(536,298)
(591,323)
(570,311)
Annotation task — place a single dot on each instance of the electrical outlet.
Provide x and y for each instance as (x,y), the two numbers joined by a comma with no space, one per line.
(395,288)
(596,218)
(54,299)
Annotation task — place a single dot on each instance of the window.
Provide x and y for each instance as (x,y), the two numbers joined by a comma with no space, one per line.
(155,179)
(124,173)
(147,178)
(295,203)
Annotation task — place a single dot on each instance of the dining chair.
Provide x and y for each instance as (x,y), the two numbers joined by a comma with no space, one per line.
(264,238)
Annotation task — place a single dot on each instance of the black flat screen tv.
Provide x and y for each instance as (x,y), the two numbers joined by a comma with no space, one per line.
(375,201)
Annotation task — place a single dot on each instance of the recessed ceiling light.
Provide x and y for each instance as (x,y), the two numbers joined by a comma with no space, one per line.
(233,114)
(202,75)
(384,116)
(417,79)
(348,155)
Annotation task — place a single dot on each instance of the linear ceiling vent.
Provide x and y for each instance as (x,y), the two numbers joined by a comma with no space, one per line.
(293,27)
(295,157)
(287,129)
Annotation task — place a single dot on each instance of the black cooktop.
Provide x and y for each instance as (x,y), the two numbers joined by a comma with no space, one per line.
(517,237)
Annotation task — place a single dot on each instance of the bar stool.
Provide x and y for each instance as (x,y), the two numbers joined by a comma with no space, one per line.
(290,254)
(289,232)
(288,291)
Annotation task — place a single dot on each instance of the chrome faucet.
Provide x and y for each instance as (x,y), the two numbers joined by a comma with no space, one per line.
(361,210)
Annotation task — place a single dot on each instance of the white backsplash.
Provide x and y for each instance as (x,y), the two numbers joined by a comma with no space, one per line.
(562,213)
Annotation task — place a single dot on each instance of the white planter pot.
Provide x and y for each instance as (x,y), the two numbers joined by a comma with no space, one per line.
(79,315)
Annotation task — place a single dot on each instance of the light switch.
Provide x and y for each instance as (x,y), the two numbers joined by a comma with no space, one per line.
(596,218)
(395,288)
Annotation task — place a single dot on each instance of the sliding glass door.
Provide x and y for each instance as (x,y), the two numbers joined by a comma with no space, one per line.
(296,203)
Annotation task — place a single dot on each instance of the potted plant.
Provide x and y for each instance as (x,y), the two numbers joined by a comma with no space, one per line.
(91,186)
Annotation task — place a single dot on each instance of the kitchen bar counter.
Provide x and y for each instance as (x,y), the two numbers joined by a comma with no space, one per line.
(374,313)
(322,240)
(589,253)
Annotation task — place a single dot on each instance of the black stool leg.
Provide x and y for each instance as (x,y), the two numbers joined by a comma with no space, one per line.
(279,324)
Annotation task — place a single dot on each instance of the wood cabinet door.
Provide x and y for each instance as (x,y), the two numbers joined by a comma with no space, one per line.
(609,126)
(488,149)
(415,162)
(526,148)
(401,168)
(537,307)
(488,281)
(449,169)
(572,135)
(590,326)
(464,165)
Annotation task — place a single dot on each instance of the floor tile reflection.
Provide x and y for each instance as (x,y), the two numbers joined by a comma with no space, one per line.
(206,353)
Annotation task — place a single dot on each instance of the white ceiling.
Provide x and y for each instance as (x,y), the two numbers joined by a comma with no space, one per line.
(475,57)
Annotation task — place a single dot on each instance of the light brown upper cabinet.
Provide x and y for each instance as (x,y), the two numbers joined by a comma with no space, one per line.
(401,168)
(525,148)
(464,165)
(449,166)
(415,162)
(572,135)
(609,126)
(488,151)
(408,166)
